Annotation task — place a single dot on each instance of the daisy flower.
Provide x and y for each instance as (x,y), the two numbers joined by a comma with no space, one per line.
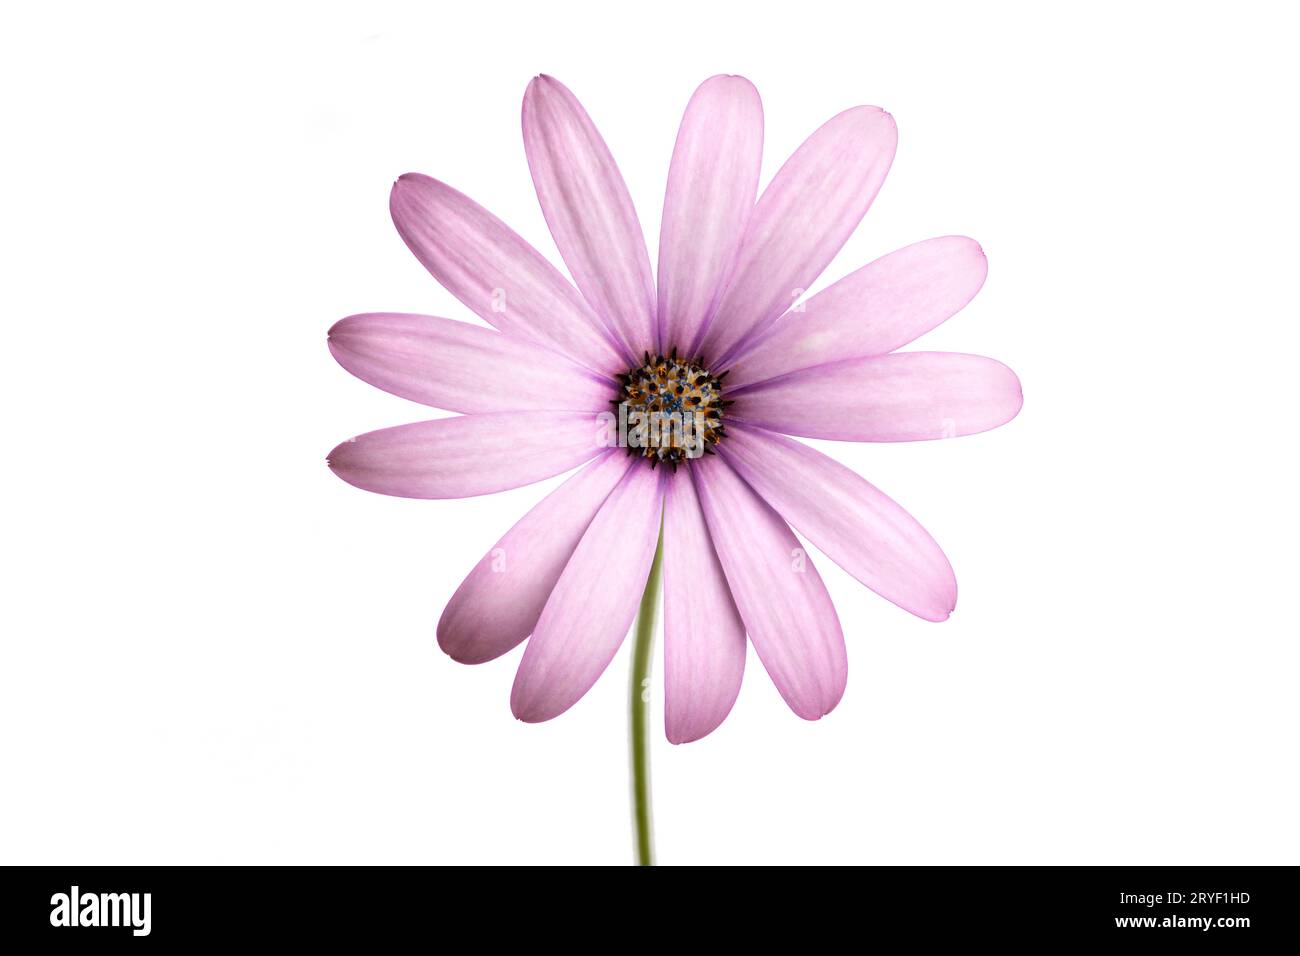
(676,390)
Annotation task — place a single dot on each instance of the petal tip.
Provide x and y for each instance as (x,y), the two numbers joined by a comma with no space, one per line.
(405,182)
(971,246)
(332,332)
(529,704)
(336,459)
(338,338)
(729,79)
(1018,402)
(817,711)
(679,731)
(532,711)
(816,704)
(398,197)
(405,189)
(947,600)
(459,650)
(543,83)
(462,657)
(870,115)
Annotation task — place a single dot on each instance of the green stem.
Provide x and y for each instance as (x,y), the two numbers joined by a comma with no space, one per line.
(640,737)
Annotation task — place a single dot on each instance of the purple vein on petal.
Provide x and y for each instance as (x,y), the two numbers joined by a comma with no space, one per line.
(903,396)
(712,182)
(853,523)
(787,612)
(462,367)
(873,311)
(594,601)
(805,215)
(589,211)
(469,454)
(498,275)
(498,603)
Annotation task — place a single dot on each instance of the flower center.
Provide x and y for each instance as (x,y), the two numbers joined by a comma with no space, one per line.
(671,409)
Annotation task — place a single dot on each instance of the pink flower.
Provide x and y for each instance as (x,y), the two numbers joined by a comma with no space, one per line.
(718,334)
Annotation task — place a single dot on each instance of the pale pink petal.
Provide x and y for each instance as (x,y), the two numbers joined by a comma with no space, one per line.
(497,274)
(469,454)
(593,603)
(590,213)
(906,396)
(461,367)
(880,308)
(781,598)
(704,639)
(857,526)
(711,186)
(803,217)
(498,604)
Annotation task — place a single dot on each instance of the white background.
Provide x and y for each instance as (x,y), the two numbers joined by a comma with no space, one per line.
(216,651)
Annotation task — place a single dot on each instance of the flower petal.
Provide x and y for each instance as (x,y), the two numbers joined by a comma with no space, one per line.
(469,454)
(704,639)
(594,601)
(711,186)
(806,213)
(905,396)
(498,604)
(590,213)
(857,526)
(880,308)
(461,367)
(482,262)
(782,600)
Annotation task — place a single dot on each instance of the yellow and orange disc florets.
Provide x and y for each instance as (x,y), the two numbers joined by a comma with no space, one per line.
(671,409)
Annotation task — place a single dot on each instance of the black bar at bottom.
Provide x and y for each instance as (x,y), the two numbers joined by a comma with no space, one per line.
(1223,906)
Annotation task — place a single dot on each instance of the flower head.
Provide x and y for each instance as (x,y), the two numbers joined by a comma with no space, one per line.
(705,371)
